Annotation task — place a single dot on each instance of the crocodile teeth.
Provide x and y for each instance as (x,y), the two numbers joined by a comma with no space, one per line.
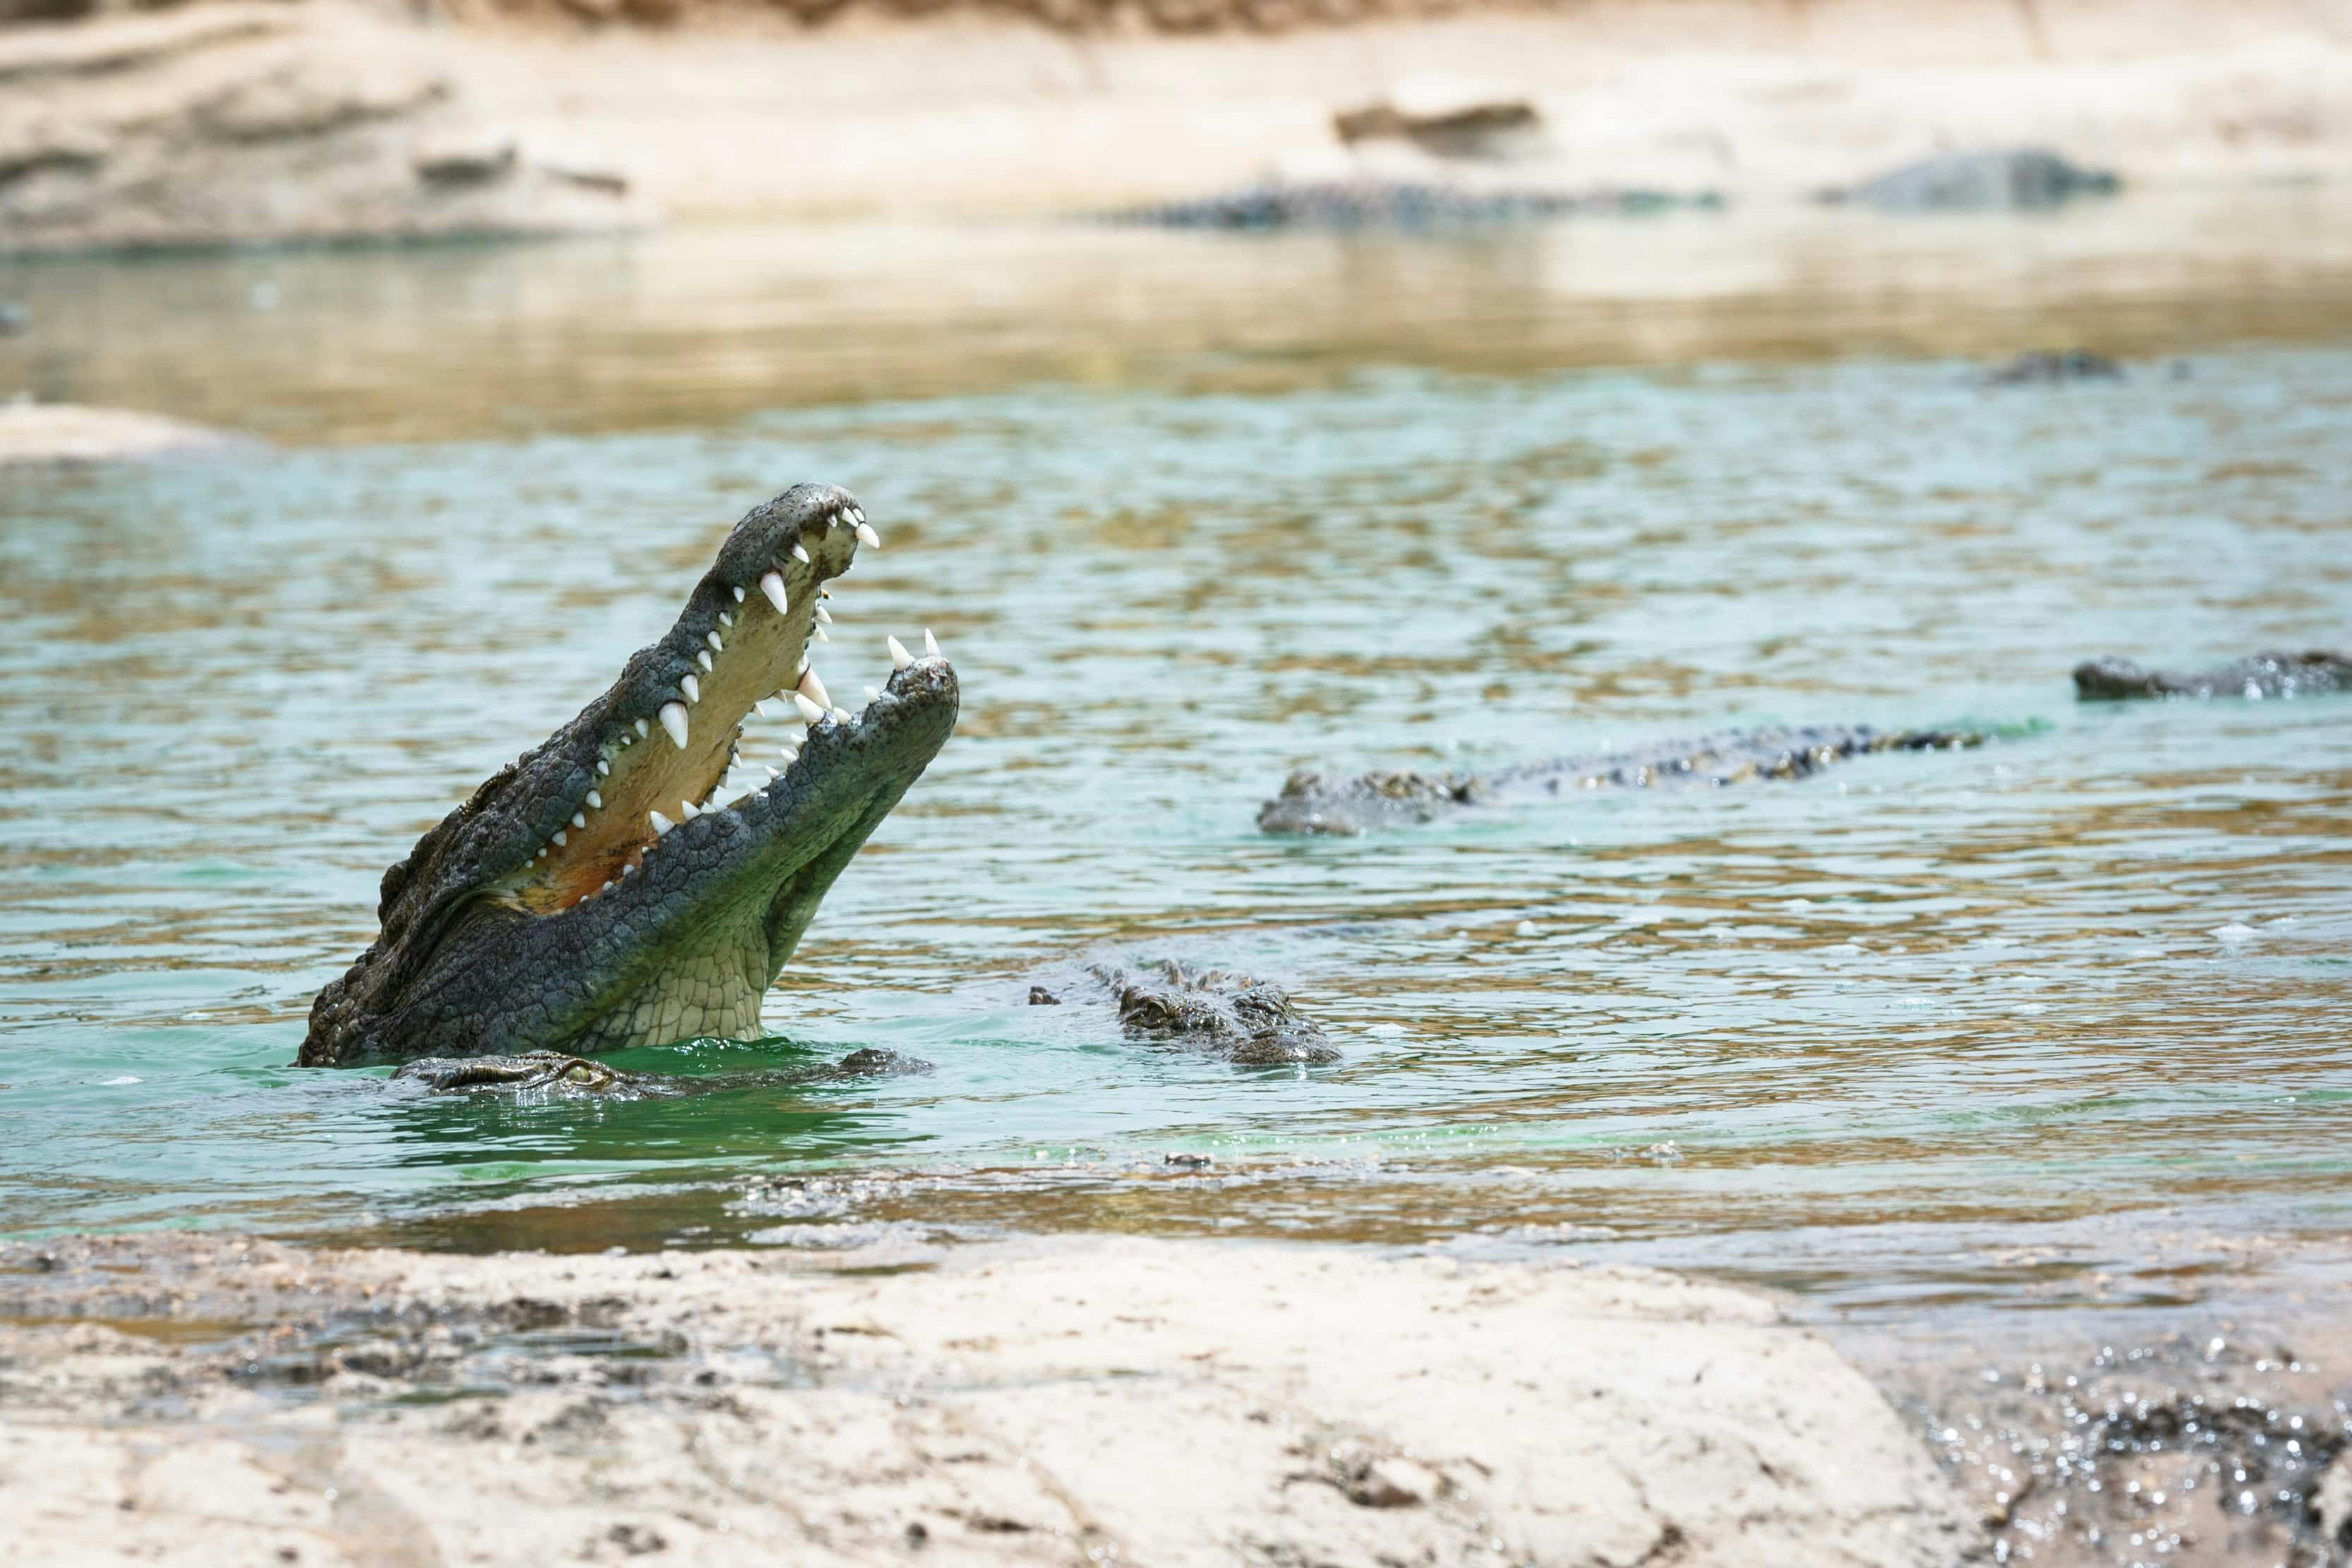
(800,553)
(838,716)
(579,819)
(673,721)
(542,852)
(738,599)
(867,537)
(602,767)
(772,584)
(662,824)
(596,801)
(727,620)
(810,711)
(790,753)
(773,775)
(703,660)
(856,513)
(689,811)
(820,635)
(715,646)
(691,687)
(761,707)
(815,687)
(823,614)
(930,645)
(871,694)
(559,838)
(899,658)
(643,732)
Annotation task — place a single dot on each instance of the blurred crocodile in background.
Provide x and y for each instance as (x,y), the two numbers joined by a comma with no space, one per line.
(2311,674)
(1328,804)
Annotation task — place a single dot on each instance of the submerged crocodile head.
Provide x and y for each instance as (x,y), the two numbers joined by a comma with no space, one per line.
(592,896)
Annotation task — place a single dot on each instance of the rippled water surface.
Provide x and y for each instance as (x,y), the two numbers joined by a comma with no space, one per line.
(1857,1034)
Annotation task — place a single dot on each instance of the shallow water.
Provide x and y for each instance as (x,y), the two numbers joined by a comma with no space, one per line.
(1863,1035)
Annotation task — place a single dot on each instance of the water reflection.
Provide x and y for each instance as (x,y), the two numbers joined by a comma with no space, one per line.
(460,342)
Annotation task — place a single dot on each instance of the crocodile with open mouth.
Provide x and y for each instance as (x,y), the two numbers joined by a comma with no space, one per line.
(593,895)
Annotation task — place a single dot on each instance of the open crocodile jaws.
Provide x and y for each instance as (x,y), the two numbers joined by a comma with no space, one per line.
(593,895)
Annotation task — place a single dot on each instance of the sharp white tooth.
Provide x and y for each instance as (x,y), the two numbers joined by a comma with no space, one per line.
(691,687)
(605,889)
(715,646)
(738,599)
(772,584)
(823,615)
(662,824)
(542,852)
(727,620)
(871,694)
(673,721)
(602,767)
(801,554)
(579,819)
(630,869)
(867,537)
(687,811)
(839,717)
(790,753)
(773,775)
(703,660)
(930,644)
(899,658)
(761,707)
(595,800)
(643,732)
(857,514)
(821,636)
(810,711)
(815,687)
(802,668)
(559,838)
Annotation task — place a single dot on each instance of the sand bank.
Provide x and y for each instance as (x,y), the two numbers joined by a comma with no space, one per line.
(233,121)
(67,433)
(198,1399)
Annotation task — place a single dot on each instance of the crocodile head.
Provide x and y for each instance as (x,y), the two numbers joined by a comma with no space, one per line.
(596,894)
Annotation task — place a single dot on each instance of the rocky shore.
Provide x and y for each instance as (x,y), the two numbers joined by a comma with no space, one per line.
(210,1399)
(188,1399)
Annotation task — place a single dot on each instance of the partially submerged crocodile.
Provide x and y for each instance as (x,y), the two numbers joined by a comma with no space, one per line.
(1322,803)
(593,894)
(2265,675)
(1234,1017)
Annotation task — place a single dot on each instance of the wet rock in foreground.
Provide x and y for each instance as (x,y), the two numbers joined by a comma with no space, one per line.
(180,1397)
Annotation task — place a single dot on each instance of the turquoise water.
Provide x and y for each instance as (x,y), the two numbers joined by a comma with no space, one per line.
(1841,1031)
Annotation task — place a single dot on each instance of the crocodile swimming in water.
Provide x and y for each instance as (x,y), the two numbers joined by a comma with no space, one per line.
(2311,674)
(1322,804)
(594,895)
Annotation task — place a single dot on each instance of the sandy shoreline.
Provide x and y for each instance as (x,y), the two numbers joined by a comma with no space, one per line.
(236,122)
